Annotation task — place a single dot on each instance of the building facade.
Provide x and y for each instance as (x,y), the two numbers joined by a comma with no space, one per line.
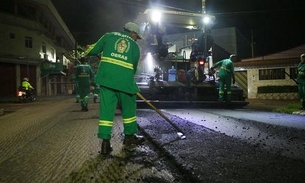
(34,42)
(270,77)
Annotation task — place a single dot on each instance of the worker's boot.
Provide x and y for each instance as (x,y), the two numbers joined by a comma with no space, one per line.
(84,107)
(133,140)
(77,98)
(106,147)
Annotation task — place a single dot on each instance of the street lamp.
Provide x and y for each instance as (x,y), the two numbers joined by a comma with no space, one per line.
(156,16)
(208,21)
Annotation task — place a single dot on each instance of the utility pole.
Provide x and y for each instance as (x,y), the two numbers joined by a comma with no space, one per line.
(203,6)
(204,29)
(252,44)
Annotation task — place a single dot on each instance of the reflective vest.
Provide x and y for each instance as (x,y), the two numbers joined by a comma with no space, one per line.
(26,85)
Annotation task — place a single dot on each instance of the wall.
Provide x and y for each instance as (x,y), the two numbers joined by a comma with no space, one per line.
(16,46)
(254,83)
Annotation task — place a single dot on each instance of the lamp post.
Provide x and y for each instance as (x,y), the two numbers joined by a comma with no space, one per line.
(208,21)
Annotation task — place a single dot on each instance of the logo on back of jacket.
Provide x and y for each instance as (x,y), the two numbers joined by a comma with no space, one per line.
(121,46)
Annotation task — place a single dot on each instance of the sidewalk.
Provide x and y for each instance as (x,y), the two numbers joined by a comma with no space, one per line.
(267,104)
(270,105)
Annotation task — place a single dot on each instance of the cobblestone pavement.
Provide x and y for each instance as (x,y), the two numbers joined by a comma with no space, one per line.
(53,141)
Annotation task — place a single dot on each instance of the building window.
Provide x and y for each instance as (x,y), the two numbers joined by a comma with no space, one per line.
(271,74)
(12,35)
(28,42)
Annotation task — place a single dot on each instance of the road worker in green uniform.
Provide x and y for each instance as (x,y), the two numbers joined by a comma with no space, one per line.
(226,76)
(301,80)
(115,75)
(84,77)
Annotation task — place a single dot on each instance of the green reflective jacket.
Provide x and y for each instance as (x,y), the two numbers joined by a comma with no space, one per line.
(301,73)
(119,61)
(84,74)
(226,68)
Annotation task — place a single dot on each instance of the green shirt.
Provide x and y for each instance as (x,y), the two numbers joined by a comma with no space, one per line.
(119,61)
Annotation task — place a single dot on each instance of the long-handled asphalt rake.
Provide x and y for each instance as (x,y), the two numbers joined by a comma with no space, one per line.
(290,76)
(179,133)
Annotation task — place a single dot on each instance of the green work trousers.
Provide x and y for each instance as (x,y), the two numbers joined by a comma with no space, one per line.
(301,88)
(76,88)
(225,83)
(108,104)
(84,91)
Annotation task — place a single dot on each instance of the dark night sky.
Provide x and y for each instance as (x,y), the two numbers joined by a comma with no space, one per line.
(277,24)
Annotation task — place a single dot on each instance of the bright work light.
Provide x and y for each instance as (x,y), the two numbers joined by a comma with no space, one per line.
(156,16)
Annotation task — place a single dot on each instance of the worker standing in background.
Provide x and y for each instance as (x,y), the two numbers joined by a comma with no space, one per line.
(158,72)
(84,76)
(172,74)
(226,77)
(301,80)
(115,76)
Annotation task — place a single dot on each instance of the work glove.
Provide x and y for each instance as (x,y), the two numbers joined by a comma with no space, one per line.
(211,71)
(99,56)
(82,59)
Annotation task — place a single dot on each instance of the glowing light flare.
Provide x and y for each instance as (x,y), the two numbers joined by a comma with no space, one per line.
(201,62)
(156,16)
(190,27)
(149,63)
(206,20)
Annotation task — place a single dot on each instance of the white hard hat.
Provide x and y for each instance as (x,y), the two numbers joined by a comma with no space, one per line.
(134,28)
(232,55)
